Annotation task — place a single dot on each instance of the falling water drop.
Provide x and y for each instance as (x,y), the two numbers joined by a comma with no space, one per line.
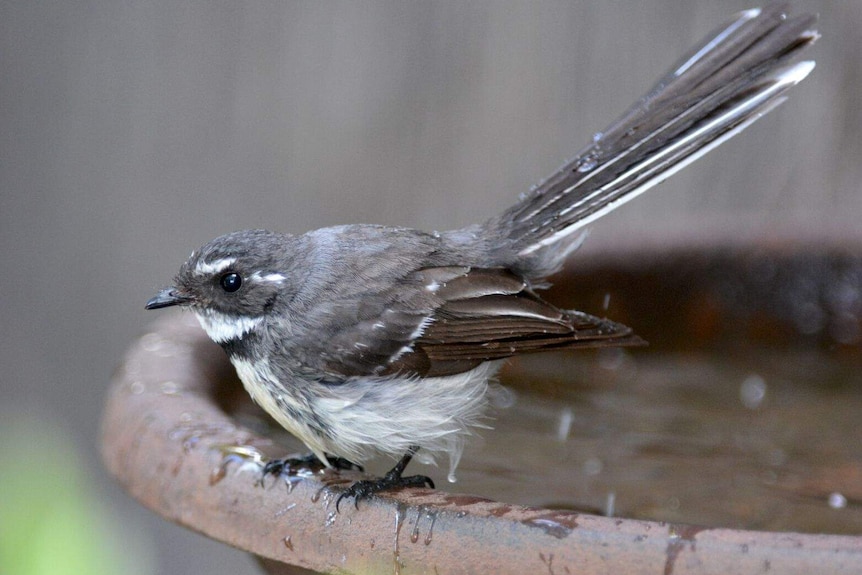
(837,501)
(400,510)
(433,515)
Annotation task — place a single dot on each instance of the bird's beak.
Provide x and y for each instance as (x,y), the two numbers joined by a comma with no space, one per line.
(168,297)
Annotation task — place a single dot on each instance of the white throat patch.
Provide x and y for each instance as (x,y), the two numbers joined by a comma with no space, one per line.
(222,328)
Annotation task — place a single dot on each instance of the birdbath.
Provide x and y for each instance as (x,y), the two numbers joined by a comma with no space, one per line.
(180,436)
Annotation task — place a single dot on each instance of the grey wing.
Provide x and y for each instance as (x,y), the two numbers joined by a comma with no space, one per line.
(385,325)
(467,316)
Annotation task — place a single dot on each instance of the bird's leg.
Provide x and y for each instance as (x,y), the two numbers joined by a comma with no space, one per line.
(392,480)
(290,465)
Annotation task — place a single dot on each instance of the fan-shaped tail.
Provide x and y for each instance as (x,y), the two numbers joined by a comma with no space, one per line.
(723,86)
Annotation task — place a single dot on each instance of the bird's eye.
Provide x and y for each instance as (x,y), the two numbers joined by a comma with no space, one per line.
(231,282)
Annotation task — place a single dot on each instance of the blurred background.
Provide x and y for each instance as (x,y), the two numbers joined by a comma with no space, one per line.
(133,132)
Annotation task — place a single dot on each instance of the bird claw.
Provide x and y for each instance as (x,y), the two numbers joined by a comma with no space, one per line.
(292,465)
(367,487)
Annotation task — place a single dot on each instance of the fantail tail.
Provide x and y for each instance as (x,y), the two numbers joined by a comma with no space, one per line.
(723,86)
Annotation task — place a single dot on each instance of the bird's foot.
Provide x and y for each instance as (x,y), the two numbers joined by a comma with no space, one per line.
(294,465)
(367,487)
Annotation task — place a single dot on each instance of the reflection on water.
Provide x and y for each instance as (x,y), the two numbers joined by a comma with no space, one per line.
(768,441)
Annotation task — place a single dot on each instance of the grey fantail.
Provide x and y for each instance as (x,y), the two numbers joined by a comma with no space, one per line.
(363,339)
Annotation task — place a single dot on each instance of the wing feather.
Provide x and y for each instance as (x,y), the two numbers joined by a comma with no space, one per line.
(491,314)
(447,320)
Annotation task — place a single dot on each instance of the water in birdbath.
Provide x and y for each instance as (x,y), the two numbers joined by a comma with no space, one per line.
(766,441)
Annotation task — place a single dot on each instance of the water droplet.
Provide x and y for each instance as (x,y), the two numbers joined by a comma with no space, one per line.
(190,442)
(423,511)
(330,518)
(564,426)
(169,387)
(288,543)
(501,397)
(587,163)
(610,503)
(290,481)
(752,391)
(612,358)
(549,526)
(606,302)
(281,512)
(598,136)
(809,317)
(400,510)
(593,466)
(136,387)
(327,496)
(219,472)
(433,516)
(837,501)
(151,341)
(243,455)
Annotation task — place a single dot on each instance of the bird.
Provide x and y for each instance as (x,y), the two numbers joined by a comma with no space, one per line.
(365,339)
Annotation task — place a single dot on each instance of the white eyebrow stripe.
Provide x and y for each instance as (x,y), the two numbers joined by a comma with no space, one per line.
(208,268)
(273,277)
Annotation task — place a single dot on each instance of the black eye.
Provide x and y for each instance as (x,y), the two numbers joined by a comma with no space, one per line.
(231,282)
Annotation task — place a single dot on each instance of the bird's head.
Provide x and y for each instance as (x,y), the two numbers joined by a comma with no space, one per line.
(231,283)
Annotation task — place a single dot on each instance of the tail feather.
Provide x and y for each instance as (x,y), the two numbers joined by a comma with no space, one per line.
(728,82)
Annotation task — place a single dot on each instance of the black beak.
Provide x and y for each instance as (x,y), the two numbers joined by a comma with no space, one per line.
(166,298)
